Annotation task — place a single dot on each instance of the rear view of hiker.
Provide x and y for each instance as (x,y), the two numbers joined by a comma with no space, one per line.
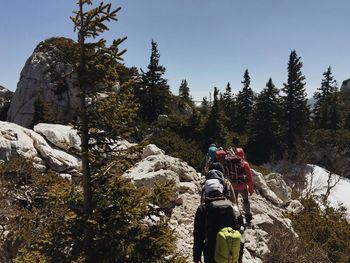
(220,155)
(211,153)
(215,225)
(238,171)
(216,171)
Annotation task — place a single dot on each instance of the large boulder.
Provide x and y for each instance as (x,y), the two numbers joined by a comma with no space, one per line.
(277,184)
(17,141)
(62,136)
(262,187)
(48,75)
(156,166)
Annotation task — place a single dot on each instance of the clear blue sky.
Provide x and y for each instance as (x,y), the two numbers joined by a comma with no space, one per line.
(207,42)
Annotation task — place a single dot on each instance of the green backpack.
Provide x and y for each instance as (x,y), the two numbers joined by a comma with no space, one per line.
(227,247)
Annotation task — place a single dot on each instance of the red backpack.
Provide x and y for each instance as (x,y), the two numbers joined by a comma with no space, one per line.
(234,170)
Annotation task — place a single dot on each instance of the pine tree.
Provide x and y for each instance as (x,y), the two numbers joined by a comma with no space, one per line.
(42,112)
(155,95)
(265,138)
(295,103)
(245,102)
(205,107)
(214,128)
(326,110)
(184,92)
(104,219)
(228,103)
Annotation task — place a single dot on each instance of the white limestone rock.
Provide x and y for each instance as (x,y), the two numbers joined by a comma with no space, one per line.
(151,149)
(261,185)
(279,187)
(48,76)
(62,136)
(18,141)
(295,207)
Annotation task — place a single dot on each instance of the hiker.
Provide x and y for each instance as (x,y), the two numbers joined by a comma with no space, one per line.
(216,171)
(216,221)
(220,155)
(211,153)
(245,185)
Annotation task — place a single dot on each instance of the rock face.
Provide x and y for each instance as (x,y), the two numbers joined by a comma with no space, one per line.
(48,76)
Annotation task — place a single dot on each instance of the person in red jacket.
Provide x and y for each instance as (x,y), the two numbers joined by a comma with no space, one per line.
(246,187)
(220,155)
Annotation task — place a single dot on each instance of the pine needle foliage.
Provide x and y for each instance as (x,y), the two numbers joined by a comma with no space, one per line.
(129,224)
(107,218)
(245,102)
(295,103)
(265,137)
(327,228)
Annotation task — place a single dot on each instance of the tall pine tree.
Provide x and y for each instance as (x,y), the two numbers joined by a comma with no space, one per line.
(214,128)
(184,91)
(155,94)
(326,110)
(104,219)
(205,107)
(295,103)
(245,102)
(265,138)
(228,103)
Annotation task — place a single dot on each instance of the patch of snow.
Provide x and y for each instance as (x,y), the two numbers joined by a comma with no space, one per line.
(317,183)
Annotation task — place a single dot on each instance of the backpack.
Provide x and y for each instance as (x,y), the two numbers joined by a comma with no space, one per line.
(216,174)
(227,246)
(234,170)
(219,214)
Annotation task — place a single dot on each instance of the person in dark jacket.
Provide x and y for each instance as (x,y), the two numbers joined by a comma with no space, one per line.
(204,240)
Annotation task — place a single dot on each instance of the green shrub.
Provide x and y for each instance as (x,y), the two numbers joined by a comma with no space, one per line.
(328,228)
(128,224)
(284,247)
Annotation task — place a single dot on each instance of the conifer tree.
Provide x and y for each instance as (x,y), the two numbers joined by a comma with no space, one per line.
(265,138)
(155,95)
(214,128)
(295,103)
(205,107)
(326,110)
(229,106)
(245,102)
(184,91)
(42,112)
(104,220)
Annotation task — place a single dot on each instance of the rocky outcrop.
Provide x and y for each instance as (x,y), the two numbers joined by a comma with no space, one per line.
(62,136)
(18,141)
(267,205)
(48,144)
(47,76)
